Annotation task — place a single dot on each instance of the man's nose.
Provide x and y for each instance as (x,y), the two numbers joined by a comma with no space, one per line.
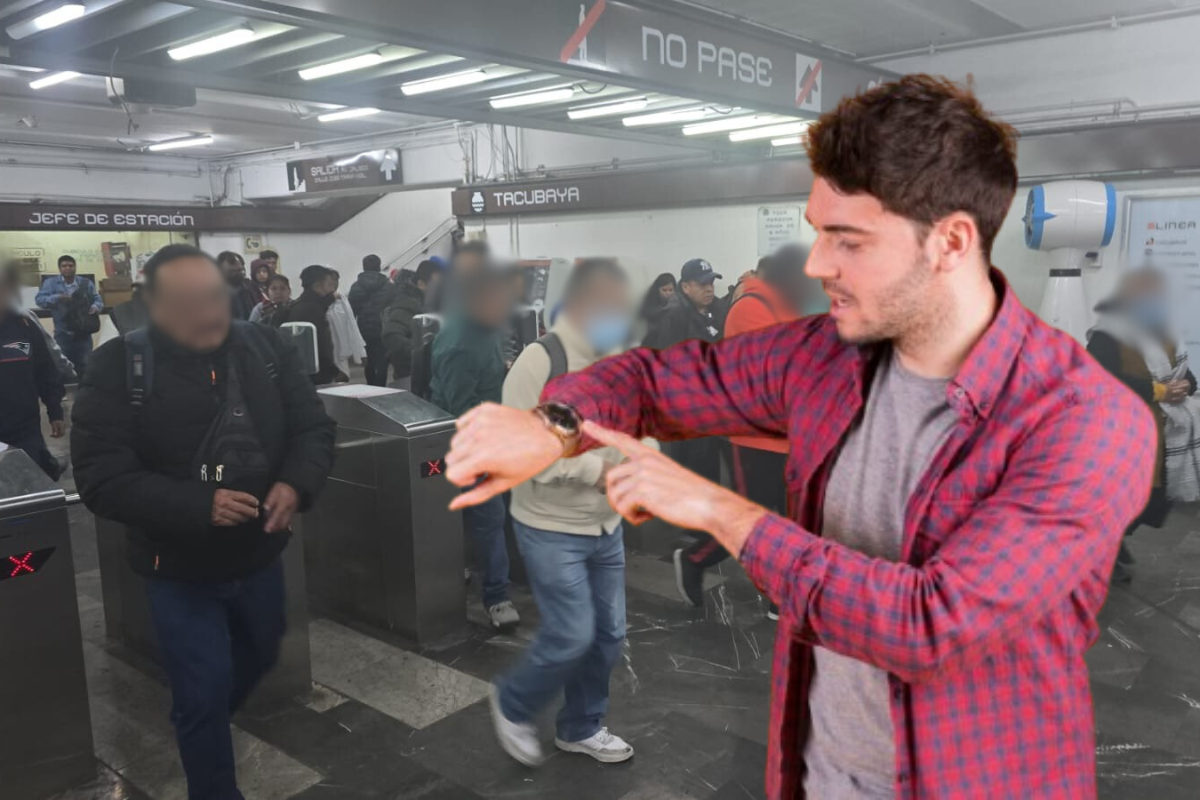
(819,265)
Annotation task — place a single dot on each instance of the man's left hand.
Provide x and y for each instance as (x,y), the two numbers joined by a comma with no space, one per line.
(651,485)
(281,505)
(58,428)
(93,311)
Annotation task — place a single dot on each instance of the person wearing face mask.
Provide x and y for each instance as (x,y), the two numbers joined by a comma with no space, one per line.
(571,540)
(1133,340)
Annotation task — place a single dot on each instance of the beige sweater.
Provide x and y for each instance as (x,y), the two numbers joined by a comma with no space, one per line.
(563,498)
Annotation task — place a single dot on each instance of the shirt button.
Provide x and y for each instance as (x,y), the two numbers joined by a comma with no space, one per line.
(960,393)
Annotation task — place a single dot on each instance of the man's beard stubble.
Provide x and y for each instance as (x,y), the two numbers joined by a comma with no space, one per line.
(907,309)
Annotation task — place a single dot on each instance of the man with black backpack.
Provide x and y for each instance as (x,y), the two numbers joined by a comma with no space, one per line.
(203,435)
(572,542)
(75,305)
(371,293)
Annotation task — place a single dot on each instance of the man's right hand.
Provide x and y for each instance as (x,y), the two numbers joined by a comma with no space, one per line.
(503,447)
(233,508)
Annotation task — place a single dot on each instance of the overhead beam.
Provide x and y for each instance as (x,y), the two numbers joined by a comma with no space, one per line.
(644,45)
(336,95)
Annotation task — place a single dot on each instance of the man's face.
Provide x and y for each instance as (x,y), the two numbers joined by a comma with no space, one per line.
(873,265)
(235,272)
(273,263)
(190,304)
(67,270)
(605,297)
(279,292)
(700,293)
(429,288)
(326,286)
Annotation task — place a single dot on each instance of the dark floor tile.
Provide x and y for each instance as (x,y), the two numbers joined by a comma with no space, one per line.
(107,785)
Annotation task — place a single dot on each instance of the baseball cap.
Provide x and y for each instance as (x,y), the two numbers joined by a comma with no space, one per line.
(700,271)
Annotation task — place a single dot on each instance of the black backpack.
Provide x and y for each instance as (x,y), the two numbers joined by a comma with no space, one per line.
(558,355)
(424,332)
(80,319)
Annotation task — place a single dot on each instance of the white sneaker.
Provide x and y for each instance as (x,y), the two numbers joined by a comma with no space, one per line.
(519,739)
(504,615)
(601,745)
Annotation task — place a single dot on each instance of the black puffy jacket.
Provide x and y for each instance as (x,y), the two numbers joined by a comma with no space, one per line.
(680,321)
(368,297)
(136,467)
(397,328)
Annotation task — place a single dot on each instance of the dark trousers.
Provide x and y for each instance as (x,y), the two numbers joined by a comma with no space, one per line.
(377,363)
(76,347)
(34,444)
(757,476)
(216,641)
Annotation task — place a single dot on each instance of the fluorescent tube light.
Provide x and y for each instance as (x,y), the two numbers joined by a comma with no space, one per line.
(51,80)
(63,14)
(451,81)
(665,117)
(611,109)
(769,132)
(174,144)
(533,98)
(213,44)
(338,67)
(347,113)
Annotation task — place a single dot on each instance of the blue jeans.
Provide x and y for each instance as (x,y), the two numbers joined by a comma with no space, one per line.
(485,524)
(579,585)
(216,640)
(77,348)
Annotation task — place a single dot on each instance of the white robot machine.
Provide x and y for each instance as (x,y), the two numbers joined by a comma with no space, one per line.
(1071,220)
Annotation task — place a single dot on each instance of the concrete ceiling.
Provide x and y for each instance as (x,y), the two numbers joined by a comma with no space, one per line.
(871,27)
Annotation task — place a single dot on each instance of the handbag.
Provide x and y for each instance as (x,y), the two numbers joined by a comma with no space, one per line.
(80,318)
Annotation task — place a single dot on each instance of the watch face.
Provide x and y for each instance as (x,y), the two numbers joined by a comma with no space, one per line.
(562,417)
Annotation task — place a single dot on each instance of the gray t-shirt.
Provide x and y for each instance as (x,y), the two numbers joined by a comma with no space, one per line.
(851,751)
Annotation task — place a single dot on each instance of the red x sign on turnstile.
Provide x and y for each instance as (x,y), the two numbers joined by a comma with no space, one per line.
(21,564)
(434,467)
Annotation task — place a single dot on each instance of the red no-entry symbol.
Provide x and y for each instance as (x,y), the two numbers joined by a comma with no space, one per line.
(21,564)
(435,467)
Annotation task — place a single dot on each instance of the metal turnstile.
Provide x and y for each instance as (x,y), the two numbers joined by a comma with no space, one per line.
(45,725)
(127,613)
(381,544)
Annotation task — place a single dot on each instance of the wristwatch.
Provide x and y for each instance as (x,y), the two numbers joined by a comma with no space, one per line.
(563,422)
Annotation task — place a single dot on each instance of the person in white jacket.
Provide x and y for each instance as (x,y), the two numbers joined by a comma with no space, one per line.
(347,341)
(572,543)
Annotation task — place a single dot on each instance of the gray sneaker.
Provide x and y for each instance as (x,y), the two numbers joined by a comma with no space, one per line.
(602,746)
(519,739)
(504,615)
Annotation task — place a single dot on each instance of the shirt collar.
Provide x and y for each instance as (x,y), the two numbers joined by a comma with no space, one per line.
(976,386)
(979,381)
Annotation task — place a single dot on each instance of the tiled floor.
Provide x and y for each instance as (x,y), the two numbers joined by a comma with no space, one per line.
(387,720)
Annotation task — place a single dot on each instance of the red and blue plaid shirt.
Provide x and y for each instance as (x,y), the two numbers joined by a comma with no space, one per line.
(1009,539)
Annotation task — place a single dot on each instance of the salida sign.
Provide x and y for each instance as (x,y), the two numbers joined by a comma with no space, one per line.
(369,169)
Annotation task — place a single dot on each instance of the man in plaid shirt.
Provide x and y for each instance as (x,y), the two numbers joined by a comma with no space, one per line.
(962,473)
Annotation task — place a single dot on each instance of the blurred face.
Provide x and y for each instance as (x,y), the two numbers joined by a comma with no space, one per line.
(874,267)
(262,274)
(273,263)
(235,271)
(701,294)
(8,293)
(430,287)
(666,291)
(467,264)
(279,292)
(67,270)
(326,286)
(190,304)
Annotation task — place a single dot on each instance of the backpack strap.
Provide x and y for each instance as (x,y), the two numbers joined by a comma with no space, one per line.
(252,334)
(139,367)
(762,298)
(558,354)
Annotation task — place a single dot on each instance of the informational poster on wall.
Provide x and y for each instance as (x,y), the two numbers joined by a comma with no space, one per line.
(1164,232)
(777,226)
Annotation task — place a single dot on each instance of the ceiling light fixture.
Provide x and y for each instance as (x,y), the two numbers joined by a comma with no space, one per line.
(213,44)
(557,95)
(451,81)
(63,14)
(338,67)
(174,144)
(608,110)
(347,113)
(770,131)
(51,80)
(43,22)
(787,141)
(732,124)
(665,117)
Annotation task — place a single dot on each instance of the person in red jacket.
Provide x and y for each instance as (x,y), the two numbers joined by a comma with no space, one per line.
(768,296)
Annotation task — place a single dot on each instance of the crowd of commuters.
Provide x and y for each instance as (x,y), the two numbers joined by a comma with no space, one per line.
(919,481)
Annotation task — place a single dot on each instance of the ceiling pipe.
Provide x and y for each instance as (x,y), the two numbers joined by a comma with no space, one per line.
(1108,23)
